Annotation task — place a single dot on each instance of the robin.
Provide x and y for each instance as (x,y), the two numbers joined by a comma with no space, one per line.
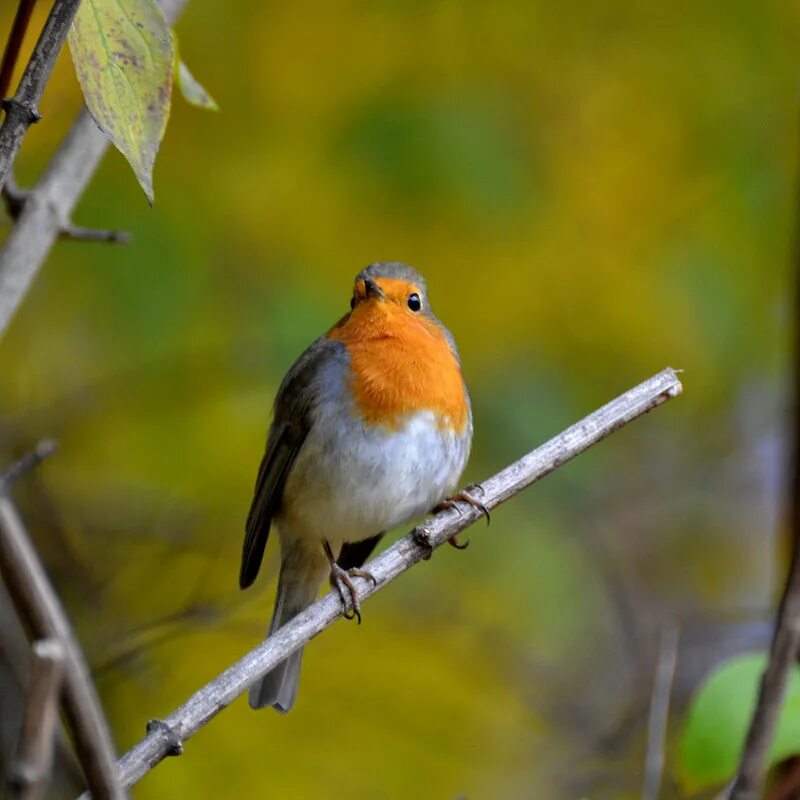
(372,428)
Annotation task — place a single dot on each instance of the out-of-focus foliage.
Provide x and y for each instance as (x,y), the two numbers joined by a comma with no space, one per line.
(593,191)
(716,725)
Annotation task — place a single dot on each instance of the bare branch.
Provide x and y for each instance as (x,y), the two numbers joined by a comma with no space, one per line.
(15,668)
(37,740)
(659,711)
(14,42)
(38,606)
(22,110)
(49,205)
(43,450)
(749,781)
(167,737)
(76,233)
(47,210)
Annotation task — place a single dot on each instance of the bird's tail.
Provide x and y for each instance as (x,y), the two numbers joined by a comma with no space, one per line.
(278,688)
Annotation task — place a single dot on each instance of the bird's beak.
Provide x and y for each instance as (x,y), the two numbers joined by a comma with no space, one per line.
(371,289)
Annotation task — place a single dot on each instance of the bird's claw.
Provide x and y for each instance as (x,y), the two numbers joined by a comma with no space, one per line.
(448,502)
(453,542)
(357,572)
(466,496)
(340,580)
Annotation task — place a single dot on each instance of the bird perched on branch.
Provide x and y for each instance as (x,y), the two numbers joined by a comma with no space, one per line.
(372,428)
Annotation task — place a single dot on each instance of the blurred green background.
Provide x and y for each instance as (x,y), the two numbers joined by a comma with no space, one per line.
(594,192)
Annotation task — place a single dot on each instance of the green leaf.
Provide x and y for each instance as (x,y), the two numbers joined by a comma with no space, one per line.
(123,54)
(192,91)
(715,729)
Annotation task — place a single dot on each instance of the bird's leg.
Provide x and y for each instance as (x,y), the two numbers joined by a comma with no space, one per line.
(340,580)
(466,496)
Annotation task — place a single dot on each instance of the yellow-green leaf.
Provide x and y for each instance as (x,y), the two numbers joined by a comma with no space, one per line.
(193,91)
(123,55)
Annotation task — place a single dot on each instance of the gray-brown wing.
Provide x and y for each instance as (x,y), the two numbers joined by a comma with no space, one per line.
(291,424)
(281,452)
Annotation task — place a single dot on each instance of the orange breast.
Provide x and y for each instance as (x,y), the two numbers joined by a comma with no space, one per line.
(401,364)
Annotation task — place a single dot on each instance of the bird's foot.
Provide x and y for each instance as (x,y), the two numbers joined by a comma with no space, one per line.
(341,581)
(467,496)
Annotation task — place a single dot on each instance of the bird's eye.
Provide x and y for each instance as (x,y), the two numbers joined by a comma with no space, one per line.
(414,303)
(352,302)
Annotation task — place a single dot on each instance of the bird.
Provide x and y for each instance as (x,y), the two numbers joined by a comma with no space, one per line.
(371,428)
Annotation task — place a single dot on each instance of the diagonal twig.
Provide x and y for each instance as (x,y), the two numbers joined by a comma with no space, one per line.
(166,737)
(22,110)
(15,38)
(38,606)
(47,208)
(31,459)
(30,771)
(749,781)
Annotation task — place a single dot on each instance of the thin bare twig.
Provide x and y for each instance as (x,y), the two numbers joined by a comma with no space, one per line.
(29,461)
(167,737)
(37,739)
(749,781)
(14,43)
(659,711)
(16,199)
(22,110)
(38,606)
(75,233)
(15,666)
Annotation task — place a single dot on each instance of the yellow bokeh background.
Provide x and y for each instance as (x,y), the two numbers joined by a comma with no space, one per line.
(594,192)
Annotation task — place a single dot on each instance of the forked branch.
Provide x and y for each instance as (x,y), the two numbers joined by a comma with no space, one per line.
(38,606)
(31,770)
(46,214)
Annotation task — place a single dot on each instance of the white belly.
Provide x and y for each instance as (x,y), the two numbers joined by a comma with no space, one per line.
(350,482)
